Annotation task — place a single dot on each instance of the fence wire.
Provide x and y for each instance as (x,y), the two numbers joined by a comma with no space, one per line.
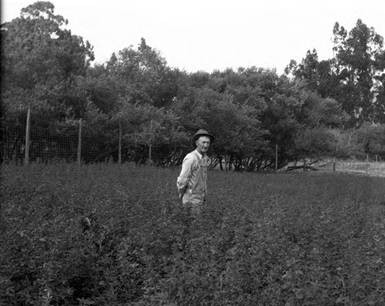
(47,145)
(62,144)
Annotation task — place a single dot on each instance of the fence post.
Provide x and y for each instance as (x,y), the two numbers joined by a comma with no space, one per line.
(79,151)
(120,144)
(335,158)
(150,153)
(5,144)
(27,136)
(276,157)
(150,145)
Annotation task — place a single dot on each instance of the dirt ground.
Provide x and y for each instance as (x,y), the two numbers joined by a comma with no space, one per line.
(350,166)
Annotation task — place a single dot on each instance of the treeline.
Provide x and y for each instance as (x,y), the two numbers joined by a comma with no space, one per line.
(316,109)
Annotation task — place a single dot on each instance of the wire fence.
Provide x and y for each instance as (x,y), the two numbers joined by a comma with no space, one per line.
(81,143)
(45,145)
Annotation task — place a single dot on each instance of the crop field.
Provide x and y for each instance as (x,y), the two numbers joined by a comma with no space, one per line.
(117,235)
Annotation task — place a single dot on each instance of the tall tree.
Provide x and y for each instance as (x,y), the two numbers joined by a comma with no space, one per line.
(41,61)
(318,76)
(359,62)
(143,75)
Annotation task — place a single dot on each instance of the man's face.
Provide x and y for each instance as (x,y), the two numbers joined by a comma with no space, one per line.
(203,144)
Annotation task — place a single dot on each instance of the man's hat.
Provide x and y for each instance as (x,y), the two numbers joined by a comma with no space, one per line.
(202,132)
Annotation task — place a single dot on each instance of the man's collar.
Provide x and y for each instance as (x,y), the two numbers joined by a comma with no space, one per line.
(199,154)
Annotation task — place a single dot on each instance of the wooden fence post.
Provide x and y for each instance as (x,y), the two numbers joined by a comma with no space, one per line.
(150,145)
(276,157)
(335,158)
(79,151)
(120,144)
(150,153)
(5,144)
(27,136)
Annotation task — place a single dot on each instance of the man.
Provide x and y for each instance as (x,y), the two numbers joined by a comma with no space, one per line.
(191,183)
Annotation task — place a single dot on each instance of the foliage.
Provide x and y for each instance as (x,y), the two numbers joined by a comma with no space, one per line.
(367,141)
(41,61)
(371,139)
(135,99)
(108,234)
(142,75)
(314,143)
(358,61)
(354,77)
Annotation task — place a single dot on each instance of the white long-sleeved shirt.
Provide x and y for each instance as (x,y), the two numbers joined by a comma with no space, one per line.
(191,182)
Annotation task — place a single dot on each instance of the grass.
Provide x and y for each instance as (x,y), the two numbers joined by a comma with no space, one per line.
(271,239)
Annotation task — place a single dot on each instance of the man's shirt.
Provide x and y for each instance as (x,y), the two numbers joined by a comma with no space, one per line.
(191,182)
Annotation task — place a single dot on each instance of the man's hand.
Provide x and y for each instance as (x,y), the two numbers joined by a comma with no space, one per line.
(181,192)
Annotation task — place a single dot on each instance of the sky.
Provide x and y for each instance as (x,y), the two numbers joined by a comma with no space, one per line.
(207,35)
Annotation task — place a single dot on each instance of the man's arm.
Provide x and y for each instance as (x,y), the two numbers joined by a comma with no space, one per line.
(183,178)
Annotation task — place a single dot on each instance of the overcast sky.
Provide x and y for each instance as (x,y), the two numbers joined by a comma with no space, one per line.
(213,34)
